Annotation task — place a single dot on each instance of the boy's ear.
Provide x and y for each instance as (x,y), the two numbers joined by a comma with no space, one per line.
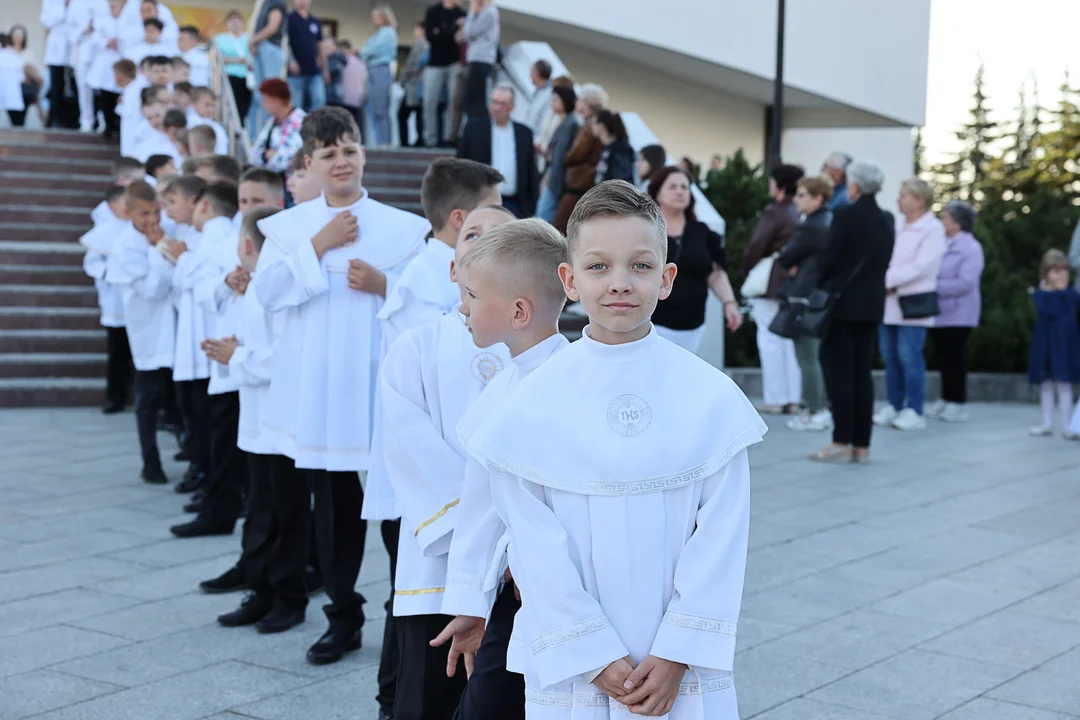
(457,218)
(667,280)
(453,271)
(566,275)
(523,312)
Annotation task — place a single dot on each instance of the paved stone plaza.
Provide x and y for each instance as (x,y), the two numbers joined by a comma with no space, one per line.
(940,581)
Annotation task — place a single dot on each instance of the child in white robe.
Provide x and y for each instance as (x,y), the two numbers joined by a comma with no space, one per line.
(145,276)
(201,112)
(153,45)
(513,296)
(451,189)
(629,542)
(196,57)
(99,244)
(429,377)
(330,286)
(100,75)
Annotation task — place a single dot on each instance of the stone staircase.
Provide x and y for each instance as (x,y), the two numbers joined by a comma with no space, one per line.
(52,347)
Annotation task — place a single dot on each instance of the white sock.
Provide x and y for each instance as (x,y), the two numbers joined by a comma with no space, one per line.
(1065,403)
(1046,401)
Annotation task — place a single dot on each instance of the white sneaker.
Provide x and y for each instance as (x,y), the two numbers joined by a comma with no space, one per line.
(954,412)
(935,409)
(1041,431)
(908,419)
(885,416)
(821,420)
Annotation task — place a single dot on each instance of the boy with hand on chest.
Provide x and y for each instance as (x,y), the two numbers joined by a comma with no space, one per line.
(327,265)
(628,537)
(215,404)
(203,103)
(429,376)
(144,276)
(512,296)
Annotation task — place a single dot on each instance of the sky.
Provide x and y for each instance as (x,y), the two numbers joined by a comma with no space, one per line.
(1016,40)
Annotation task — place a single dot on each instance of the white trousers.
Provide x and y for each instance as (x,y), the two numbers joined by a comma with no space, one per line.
(87,117)
(781,379)
(686,339)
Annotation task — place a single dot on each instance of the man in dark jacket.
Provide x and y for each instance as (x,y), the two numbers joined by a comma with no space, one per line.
(853,270)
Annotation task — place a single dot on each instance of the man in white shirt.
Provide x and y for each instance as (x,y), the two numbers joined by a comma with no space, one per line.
(507,146)
(196,56)
(327,265)
(540,103)
(63,103)
(81,18)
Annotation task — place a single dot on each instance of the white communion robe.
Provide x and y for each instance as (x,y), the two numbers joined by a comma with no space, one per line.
(326,363)
(99,244)
(210,253)
(430,376)
(477,559)
(251,367)
(100,75)
(226,306)
(627,486)
(422,294)
(146,278)
(221,137)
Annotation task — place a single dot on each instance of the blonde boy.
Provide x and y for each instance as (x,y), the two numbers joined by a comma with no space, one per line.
(203,104)
(629,541)
(512,296)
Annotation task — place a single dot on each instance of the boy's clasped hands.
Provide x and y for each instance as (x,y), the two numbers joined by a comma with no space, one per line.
(341,231)
(649,689)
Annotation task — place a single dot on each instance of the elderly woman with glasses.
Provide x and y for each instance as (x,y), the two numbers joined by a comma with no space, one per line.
(960,303)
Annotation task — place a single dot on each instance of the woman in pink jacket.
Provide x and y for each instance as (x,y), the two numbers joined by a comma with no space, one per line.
(913,270)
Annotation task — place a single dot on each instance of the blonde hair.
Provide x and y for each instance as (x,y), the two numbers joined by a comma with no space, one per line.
(819,186)
(617,199)
(594,96)
(919,188)
(387,12)
(526,255)
(1054,259)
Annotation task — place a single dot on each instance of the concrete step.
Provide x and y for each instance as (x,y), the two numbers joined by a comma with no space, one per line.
(393,180)
(83,199)
(34,163)
(51,392)
(407,154)
(61,150)
(49,318)
(52,365)
(43,275)
(19,135)
(68,232)
(410,167)
(97,182)
(77,296)
(395,196)
(64,214)
(29,252)
(52,341)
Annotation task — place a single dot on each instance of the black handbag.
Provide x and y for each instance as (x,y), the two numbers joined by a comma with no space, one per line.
(920,306)
(803,316)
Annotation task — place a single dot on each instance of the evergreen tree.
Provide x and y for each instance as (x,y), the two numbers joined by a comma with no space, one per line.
(920,153)
(964,176)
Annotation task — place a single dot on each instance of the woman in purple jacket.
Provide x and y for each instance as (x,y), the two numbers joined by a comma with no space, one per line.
(960,301)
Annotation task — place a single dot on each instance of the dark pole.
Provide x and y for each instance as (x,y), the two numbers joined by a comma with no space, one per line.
(778,89)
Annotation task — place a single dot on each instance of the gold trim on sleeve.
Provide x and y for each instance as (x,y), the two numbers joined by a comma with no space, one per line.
(436,516)
(422,591)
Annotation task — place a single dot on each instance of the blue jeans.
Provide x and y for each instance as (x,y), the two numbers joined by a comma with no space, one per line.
(905,367)
(378,102)
(268,62)
(547,205)
(308,91)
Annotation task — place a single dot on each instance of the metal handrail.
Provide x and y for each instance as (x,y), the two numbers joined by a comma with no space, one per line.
(228,115)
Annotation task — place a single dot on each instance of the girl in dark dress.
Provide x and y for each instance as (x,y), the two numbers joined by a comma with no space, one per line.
(1054,362)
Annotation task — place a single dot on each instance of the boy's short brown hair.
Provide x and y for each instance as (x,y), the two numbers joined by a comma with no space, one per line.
(819,186)
(126,166)
(223,167)
(328,126)
(190,186)
(199,92)
(455,184)
(526,255)
(203,134)
(1054,259)
(299,162)
(140,191)
(267,178)
(617,199)
(125,68)
(222,198)
(250,226)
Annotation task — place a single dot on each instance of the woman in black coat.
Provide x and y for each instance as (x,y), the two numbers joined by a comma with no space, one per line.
(801,258)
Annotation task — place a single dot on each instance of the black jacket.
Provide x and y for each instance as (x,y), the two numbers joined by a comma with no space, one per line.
(475,144)
(858,231)
(616,163)
(804,251)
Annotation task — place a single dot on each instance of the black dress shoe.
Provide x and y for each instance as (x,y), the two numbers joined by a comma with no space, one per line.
(201,526)
(279,620)
(198,502)
(313,581)
(253,609)
(112,409)
(333,645)
(154,476)
(182,456)
(384,716)
(192,481)
(232,580)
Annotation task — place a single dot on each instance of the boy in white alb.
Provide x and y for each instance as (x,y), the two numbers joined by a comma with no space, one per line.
(629,537)
(327,265)
(451,189)
(200,272)
(99,243)
(196,57)
(136,264)
(201,112)
(429,376)
(100,76)
(152,45)
(513,296)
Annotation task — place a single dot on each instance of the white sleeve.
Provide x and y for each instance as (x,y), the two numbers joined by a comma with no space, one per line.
(95,264)
(156,283)
(211,292)
(473,547)
(253,365)
(171,31)
(569,633)
(289,280)
(699,626)
(427,484)
(53,14)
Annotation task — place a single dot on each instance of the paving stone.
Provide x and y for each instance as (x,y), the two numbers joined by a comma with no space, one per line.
(162,583)
(987,709)
(811,600)
(1052,686)
(69,606)
(767,678)
(803,709)
(39,648)
(949,601)
(68,548)
(155,619)
(61,576)
(179,552)
(43,690)
(345,697)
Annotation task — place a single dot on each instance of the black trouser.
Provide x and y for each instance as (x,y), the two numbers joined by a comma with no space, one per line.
(151,387)
(847,358)
(63,101)
(403,114)
(423,690)
(105,103)
(227,476)
(340,535)
(118,367)
(242,94)
(389,658)
(493,691)
(276,545)
(951,346)
(475,101)
(192,399)
(17,117)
